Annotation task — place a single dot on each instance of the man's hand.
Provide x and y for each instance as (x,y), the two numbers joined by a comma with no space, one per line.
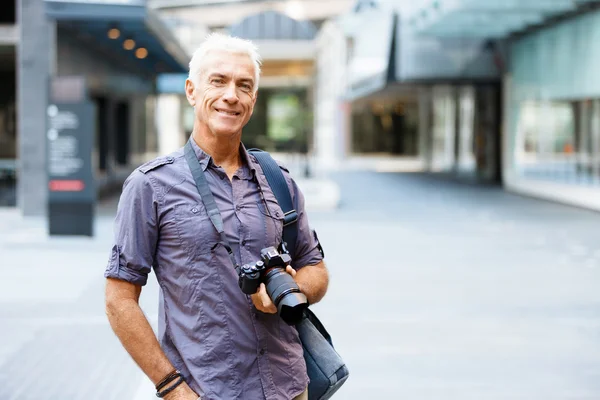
(182,392)
(261,299)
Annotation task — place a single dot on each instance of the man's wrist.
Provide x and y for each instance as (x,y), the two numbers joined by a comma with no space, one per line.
(182,391)
(172,387)
(167,379)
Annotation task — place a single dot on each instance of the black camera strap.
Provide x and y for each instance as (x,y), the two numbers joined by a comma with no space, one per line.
(280,189)
(208,199)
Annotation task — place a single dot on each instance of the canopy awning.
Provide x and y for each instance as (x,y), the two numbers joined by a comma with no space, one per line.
(488,18)
(126,28)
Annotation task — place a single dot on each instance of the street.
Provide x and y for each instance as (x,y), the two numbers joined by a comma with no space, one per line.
(439,290)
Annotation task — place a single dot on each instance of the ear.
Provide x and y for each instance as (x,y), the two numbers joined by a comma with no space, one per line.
(190,89)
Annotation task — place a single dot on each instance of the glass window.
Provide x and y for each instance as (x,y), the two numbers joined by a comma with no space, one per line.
(559,141)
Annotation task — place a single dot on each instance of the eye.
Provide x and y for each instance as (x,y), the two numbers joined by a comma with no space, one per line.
(246,86)
(217,81)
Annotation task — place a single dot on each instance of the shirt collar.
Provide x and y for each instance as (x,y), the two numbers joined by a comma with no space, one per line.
(205,160)
(249,161)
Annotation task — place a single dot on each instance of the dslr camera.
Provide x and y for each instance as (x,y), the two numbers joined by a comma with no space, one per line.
(280,285)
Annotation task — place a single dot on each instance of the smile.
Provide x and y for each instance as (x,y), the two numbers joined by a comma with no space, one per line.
(227,112)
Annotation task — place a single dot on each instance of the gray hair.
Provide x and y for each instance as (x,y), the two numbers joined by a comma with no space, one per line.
(230,44)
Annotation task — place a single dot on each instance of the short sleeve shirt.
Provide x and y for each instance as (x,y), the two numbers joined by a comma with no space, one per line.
(209,329)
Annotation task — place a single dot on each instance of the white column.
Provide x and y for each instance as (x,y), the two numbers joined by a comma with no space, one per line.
(509,133)
(449,129)
(168,123)
(424,127)
(595,151)
(36,62)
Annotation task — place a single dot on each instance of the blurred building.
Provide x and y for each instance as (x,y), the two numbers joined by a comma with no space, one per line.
(488,91)
(546,58)
(107,52)
(484,90)
(408,95)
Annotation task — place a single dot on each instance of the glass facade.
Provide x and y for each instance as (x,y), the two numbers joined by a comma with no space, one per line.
(8,127)
(464,123)
(282,121)
(558,141)
(8,123)
(386,126)
(554,108)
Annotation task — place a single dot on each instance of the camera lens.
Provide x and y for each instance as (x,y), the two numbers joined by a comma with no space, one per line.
(286,295)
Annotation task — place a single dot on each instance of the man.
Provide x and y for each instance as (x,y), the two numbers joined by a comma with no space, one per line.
(225,344)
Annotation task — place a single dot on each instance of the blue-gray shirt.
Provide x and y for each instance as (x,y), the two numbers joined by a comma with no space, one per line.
(209,329)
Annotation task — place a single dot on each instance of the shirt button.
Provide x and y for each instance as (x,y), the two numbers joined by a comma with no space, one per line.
(194,210)
(238,207)
(243,242)
(262,352)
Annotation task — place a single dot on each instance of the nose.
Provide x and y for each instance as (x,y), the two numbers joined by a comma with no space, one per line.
(230,96)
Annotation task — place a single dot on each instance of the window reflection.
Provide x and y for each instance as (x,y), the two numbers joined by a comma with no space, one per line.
(559,141)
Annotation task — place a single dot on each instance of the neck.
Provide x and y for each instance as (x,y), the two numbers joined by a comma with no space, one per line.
(224,151)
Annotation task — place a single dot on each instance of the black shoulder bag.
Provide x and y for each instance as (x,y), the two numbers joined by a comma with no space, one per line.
(326,369)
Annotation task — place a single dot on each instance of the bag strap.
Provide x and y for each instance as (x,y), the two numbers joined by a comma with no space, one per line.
(207,198)
(281,191)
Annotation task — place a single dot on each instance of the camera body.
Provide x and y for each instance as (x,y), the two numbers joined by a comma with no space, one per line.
(252,275)
(281,287)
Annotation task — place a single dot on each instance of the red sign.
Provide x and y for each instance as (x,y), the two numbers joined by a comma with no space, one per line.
(66,185)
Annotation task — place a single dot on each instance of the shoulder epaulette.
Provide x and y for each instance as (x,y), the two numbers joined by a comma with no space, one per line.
(159,162)
(283,167)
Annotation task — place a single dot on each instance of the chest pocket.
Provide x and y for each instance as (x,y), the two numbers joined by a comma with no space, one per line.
(273,217)
(195,229)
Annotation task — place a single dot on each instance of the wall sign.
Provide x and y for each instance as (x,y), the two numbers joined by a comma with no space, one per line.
(71,187)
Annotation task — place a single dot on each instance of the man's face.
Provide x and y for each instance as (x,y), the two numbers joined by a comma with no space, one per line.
(224,97)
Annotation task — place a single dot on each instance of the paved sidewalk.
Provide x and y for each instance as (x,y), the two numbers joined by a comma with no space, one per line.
(438,291)
(58,344)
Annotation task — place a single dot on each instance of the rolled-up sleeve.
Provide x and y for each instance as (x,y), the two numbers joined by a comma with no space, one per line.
(132,254)
(307,247)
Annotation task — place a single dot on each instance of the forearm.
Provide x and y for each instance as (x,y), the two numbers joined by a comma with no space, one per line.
(313,281)
(135,333)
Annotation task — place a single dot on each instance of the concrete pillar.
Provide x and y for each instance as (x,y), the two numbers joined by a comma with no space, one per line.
(36,62)
(326,137)
(169,124)
(595,150)
(346,129)
(508,132)
(111,128)
(424,127)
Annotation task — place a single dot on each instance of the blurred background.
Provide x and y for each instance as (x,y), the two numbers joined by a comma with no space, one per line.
(452,145)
